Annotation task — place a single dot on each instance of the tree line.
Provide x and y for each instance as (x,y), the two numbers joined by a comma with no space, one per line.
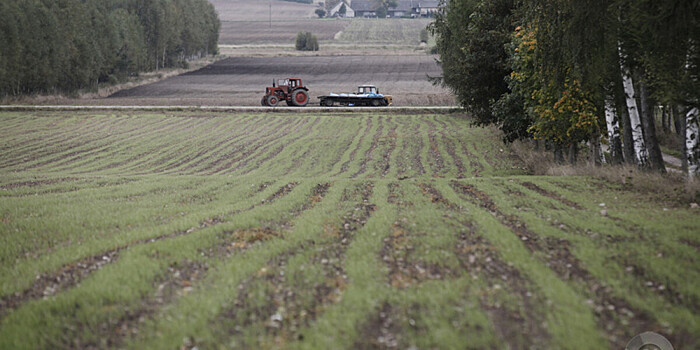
(49,46)
(569,72)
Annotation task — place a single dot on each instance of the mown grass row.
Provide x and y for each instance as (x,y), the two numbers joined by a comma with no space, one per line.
(261,145)
(310,232)
(426,265)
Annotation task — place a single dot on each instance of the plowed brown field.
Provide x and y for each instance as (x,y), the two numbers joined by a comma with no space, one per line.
(242,80)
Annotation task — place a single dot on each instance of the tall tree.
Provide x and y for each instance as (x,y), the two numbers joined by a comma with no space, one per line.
(614,134)
(472,39)
(67,45)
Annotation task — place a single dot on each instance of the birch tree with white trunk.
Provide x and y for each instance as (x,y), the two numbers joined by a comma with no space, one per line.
(614,136)
(640,150)
(692,147)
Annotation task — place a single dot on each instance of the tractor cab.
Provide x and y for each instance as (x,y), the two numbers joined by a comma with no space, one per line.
(367,89)
(289,84)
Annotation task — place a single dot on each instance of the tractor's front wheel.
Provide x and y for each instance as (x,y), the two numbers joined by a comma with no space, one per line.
(263,101)
(272,100)
(300,98)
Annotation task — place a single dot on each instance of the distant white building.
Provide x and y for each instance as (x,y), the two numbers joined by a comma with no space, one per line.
(335,11)
(404,8)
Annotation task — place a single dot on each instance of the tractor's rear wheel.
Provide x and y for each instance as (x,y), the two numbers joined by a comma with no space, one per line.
(300,98)
(272,100)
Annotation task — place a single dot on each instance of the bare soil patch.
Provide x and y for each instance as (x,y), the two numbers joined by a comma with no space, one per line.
(242,80)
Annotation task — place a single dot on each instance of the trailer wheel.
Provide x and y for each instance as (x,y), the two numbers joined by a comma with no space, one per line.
(375,103)
(272,100)
(328,103)
(300,98)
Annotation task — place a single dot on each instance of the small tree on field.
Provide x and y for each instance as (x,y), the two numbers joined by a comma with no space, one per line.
(306,42)
(320,13)
(424,35)
(311,42)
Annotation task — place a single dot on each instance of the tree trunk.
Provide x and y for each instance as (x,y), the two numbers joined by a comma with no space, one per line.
(656,160)
(613,133)
(599,151)
(640,151)
(692,130)
(684,149)
(678,121)
(573,154)
(627,149)
(596,151)
(665,124)
(559,154)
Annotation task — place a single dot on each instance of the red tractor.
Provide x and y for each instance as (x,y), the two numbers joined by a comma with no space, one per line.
(290,90)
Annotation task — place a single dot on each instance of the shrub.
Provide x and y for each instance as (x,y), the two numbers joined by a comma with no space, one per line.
(306,42)
(424,35)
(320,13)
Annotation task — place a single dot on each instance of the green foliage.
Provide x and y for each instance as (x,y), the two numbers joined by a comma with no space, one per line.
(564,119)
(661,39)
(471,38)
(320,13)
(565,55)
(64,46)
(306,41)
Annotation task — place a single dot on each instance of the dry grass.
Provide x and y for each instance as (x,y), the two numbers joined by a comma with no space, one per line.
(673,186)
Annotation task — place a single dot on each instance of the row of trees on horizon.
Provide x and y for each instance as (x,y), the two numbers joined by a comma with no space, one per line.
(61,46)
(570,71)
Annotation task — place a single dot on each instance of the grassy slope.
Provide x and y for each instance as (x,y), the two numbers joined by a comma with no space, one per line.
(322,231)
(394,30)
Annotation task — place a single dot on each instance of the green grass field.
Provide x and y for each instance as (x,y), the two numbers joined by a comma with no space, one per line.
(323,231)
(395,31)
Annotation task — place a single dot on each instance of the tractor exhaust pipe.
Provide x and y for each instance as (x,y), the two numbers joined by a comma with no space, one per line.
(273,83)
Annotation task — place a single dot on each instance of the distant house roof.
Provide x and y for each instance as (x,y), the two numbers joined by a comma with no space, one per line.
(349,12)
(402,6)
(362,5)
